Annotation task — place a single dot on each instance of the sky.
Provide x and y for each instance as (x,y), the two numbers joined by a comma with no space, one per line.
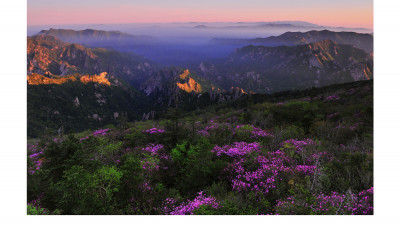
(346,13)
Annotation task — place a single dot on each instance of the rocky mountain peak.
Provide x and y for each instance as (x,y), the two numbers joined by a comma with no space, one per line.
(187,83)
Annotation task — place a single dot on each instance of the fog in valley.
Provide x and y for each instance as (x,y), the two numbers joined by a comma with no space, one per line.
(187,44)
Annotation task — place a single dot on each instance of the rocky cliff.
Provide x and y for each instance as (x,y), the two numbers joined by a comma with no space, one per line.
(48,55)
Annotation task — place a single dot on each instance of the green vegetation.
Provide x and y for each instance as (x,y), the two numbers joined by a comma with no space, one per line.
(75,106)
(294,152)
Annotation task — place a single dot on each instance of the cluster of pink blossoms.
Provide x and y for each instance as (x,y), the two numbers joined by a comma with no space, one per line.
(153,130)
(153,148)
(100,132)
(97,133)
(36,203)
(306,169)
(262,173)
(35,157)
(189,207)
(237,149)
(152,162)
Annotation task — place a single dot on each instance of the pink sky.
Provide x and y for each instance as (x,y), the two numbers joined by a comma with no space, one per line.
(339,16)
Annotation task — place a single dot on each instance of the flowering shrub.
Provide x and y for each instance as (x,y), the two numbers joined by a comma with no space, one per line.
(237,149)
(145,186)
(364,205)
(306,169)
(262,173)
(35,158)
(188,207)
(153,148)
(335,203)
(96,133)
(150,164)
(100,132)
(259,175)
(35,208)
(84,138)
(153,130)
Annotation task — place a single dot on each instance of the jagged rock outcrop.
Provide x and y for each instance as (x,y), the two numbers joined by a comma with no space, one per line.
(100,79)
(187,83)
(49,55)
(36,79)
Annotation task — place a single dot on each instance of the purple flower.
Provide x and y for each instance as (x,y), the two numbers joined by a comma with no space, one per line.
(100,132)
(237,149)
(153,148)
(188,208)
(153,130)
(84,138)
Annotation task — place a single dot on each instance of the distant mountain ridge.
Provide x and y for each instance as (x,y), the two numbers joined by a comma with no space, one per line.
(359,40)
(362,41)
(95,35)
(270,69)
(280,25)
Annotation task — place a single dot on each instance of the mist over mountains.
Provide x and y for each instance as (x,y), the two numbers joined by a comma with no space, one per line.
(193,72)
(181,44)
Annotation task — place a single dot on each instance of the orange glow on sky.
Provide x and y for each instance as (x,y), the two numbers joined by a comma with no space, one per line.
(335,16)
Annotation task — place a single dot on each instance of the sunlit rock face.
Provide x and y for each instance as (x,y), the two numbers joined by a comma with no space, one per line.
(47,55)
(101,79)
(36,79)
(189,84)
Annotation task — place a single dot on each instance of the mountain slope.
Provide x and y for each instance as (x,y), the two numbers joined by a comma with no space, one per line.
(362,41)
(50,55)
(270,69)
(79,102)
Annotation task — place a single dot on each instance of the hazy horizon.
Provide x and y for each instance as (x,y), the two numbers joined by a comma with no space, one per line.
(209,29)
(353,14)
